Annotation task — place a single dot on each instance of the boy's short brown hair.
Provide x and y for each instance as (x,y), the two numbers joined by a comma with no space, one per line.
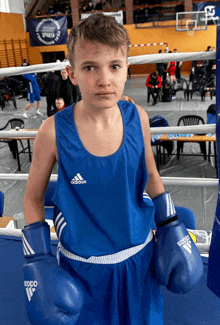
(98,28)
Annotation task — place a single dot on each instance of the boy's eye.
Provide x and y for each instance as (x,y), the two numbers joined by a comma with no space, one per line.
(89,68)
(116,66)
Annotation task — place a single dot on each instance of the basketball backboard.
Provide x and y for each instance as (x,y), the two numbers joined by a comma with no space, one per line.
(191,20)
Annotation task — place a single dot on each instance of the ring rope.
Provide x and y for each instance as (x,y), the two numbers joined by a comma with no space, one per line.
(208,182)
(139,59)
(197,129)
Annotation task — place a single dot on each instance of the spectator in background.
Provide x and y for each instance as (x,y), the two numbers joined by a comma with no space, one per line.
(38,13)
(98,5)
(178,68)
(67,90)
(90,7)
(106,5)
(84,7)
(25,63)
(164,75)
(211,67)
(50,89)
(199,66)
(171,69)
(67,9)
(154,84)
(57,7)
(50,10)
(60,105)
(211,114)
(159,66)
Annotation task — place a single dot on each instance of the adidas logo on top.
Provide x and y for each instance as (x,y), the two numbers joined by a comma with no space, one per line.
(78,179)
(30,287)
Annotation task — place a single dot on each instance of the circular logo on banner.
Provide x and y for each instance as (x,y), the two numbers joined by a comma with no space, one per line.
(48,31)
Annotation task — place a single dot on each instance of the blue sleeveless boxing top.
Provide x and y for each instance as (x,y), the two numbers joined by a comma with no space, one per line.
(99,205)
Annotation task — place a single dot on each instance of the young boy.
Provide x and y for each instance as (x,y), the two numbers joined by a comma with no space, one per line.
(102,218)
(59,103)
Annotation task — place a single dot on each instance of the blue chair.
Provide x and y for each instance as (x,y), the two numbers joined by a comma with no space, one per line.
(48,203)
(1,203)
(186,216)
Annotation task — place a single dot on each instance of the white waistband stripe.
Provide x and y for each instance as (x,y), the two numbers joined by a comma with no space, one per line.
(108,259)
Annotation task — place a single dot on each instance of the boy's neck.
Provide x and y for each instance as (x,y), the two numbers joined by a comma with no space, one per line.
(98,116)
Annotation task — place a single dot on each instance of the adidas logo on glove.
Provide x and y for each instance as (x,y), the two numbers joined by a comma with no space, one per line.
(186,243)
(30,287)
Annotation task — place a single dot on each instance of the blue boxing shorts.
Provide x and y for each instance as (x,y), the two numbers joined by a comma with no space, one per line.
(32,97)
(119,288)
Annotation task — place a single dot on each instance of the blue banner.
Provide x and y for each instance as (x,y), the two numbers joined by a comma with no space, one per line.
(48,31)
(212,10)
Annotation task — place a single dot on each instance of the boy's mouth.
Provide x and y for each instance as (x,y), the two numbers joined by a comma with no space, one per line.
(104,93)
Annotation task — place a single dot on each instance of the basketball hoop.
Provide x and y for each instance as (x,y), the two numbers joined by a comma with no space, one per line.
(191,31)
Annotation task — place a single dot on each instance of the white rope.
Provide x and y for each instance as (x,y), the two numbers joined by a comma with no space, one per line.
(45,67)
(139,59)
(167,57)
(166,180)
(21,177)
(207,182)
(196,129)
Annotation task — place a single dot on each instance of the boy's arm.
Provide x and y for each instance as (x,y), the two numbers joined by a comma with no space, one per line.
(176,261)
(53,296)
(154,185)
(44,158)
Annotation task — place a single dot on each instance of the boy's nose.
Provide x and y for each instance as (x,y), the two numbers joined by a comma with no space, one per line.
(103,79)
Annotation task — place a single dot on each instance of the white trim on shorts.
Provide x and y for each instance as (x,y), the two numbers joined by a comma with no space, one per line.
(108,259)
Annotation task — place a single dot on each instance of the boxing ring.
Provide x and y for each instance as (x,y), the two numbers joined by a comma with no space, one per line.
(200,306)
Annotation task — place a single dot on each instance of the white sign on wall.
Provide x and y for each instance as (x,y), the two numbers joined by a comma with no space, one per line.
(118,15)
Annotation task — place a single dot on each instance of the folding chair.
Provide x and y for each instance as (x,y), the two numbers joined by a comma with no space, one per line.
(190,120)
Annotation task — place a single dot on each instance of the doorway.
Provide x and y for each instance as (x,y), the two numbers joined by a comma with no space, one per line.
(49,57)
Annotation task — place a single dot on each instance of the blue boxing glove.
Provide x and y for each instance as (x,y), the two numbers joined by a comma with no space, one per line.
(177,263)
(52,295)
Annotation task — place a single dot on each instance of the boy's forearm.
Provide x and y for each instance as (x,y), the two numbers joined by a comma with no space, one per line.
(154,185)
(33,211)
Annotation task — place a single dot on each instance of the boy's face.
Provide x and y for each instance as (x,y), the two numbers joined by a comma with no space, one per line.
(59,103)
(100,71)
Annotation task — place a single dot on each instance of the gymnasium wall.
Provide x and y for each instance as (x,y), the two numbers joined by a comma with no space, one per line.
(179,40)
(35,53)
(12,27)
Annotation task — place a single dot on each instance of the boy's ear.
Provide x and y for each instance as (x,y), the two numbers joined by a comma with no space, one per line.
(70,71)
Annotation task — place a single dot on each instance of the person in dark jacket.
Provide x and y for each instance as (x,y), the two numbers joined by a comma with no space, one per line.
(50,89)
(67,90)
(154,84)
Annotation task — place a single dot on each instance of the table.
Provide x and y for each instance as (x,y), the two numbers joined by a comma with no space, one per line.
(26,149)
(193,138)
